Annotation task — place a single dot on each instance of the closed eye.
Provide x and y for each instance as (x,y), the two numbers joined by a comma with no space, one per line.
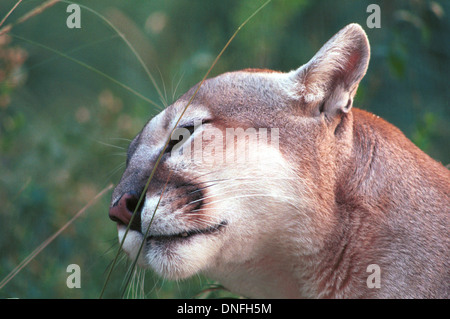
(179,137)
(183,133)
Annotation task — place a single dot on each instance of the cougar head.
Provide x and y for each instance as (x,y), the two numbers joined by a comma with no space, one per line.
(238,180)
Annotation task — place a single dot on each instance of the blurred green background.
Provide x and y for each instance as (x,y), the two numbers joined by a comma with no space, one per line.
(64,128)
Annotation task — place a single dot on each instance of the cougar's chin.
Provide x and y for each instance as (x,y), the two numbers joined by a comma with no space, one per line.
(175,256)
(131,244)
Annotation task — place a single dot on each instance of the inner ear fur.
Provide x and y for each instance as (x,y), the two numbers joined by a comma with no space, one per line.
(328,82)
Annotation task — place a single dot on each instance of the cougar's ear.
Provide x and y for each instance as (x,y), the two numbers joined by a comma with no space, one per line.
(328,82)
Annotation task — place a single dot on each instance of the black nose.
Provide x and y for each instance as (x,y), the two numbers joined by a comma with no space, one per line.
(123,210)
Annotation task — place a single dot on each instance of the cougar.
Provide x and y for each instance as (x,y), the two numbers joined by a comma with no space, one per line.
(273,185)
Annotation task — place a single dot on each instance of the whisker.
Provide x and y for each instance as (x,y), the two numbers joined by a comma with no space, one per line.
(203,224)
(176,87)
(209,218)
(143,283)
(121,139)
(225,185)
(115,170)
(159,282)
(201,188)
(111,145)
(225,170)
(245,181)
(290,200)
(212,196)
(118,154)
(163,98)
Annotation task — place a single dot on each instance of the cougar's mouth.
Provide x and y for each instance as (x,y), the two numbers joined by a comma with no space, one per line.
(188,233)
(189,205)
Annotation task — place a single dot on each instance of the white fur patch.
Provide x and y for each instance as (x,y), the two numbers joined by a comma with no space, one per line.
(133,241)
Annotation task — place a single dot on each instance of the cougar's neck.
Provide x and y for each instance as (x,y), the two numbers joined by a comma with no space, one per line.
(381,190)
(339,268)
(387,172)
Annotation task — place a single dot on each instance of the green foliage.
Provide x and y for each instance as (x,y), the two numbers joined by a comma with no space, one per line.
(64,128)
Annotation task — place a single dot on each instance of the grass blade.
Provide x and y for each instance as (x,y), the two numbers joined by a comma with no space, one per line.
(144,66)
(91,68)
(42,246)
(10,11)
(28,15)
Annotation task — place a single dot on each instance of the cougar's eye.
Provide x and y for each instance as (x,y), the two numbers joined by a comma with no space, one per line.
(180,135)
(190,129)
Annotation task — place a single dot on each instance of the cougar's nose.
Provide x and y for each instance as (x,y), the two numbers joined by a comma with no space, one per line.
(123,209)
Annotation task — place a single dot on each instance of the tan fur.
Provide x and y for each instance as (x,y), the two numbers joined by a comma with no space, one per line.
(342,190)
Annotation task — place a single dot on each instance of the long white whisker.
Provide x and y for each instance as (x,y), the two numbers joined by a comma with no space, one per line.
(163,98)
(121,139)
(225,186)
(176,87)
(230,191)
(245,196)
(118,154)
(111,145)
(217,181)
(115,170)
(256,178)
(206,219)
(143,284)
